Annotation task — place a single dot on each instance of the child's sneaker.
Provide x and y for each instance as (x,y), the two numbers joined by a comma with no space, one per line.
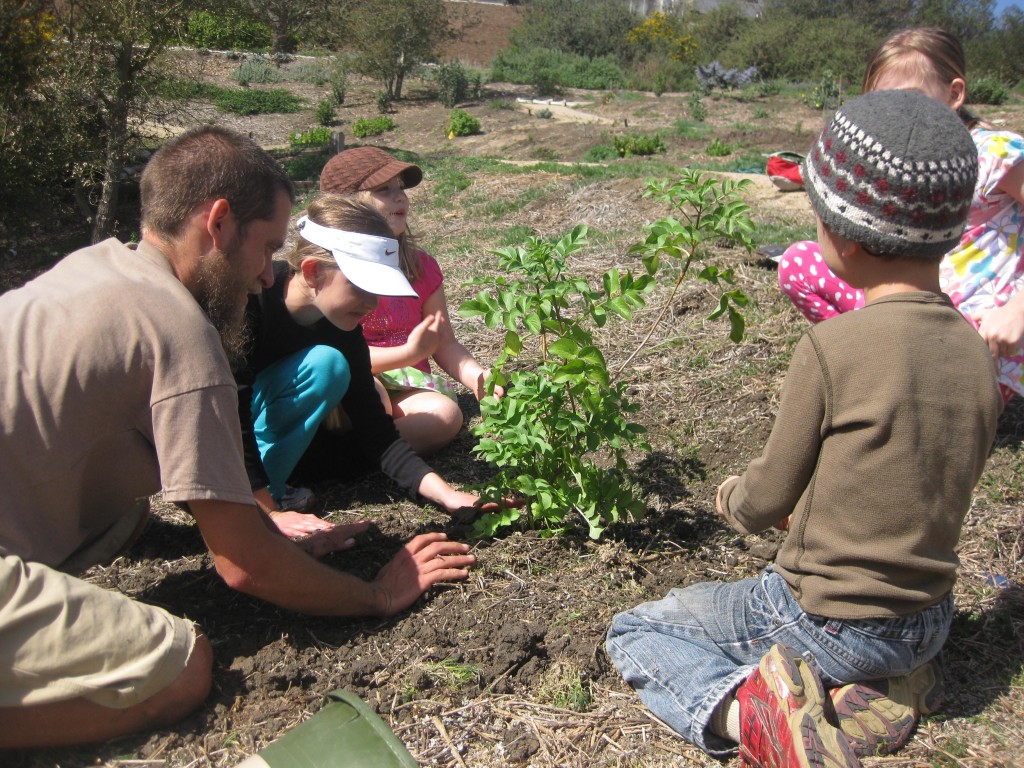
(782,717)
(878,716)
(297,499)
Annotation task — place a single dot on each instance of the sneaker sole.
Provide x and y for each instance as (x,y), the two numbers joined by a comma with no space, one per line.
(820,745)
(873,723)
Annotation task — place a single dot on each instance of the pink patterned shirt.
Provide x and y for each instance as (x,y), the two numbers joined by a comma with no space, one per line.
(390,324)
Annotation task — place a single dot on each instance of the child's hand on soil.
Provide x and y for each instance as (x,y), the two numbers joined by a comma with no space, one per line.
(293,524)
(333,538)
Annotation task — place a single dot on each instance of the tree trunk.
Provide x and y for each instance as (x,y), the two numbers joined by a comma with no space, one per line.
(116,120)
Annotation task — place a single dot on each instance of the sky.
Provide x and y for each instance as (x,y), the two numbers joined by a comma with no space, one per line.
(1001,4)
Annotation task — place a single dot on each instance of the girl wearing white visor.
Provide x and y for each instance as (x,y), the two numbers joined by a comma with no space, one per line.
(306,391)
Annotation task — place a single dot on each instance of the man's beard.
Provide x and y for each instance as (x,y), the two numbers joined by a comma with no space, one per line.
(217,289)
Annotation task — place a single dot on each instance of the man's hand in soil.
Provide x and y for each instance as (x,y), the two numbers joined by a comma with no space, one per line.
(426,560)
(333,539)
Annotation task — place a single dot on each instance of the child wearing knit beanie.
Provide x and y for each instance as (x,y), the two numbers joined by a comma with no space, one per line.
(825,656)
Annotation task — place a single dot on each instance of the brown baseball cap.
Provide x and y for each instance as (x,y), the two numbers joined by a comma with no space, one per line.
(362,168)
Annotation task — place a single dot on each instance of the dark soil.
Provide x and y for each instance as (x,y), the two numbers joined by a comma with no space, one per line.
(508,668)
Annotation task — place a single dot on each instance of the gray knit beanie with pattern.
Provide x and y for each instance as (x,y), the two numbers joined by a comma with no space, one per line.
(894,171)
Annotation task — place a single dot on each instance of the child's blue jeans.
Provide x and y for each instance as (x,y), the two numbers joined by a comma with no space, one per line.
(685,653)
(290,400)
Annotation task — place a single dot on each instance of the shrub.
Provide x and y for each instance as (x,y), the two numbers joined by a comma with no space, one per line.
(226,29)
(988,90)
(562,411)
(599,154)
(339,83)
(548,70)
(258,102)
(698,111)
(383,102)
(452,84)
(326,111)
(257,69)
(315,72)
(187,90)
(714,76)
(827,94)
(718,148)
(306,167)
(372,126)
(319,136)
(501,104)
(637,144)
(544,114)
(461,123)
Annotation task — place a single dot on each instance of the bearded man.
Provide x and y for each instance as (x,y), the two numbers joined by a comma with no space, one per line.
(116,384)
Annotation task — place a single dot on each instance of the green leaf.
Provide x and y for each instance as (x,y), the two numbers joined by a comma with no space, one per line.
(513,343)
(564,348)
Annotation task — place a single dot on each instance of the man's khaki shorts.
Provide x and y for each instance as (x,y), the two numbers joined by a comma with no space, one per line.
(61,638)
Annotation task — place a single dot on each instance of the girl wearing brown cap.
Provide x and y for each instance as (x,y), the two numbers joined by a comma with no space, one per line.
(404,332)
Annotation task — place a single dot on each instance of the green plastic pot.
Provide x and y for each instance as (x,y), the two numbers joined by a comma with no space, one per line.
(345,733)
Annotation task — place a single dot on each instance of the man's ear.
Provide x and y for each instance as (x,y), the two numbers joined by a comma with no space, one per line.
(220,223)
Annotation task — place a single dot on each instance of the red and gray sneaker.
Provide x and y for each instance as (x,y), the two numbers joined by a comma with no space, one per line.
(878,716)
(782,717)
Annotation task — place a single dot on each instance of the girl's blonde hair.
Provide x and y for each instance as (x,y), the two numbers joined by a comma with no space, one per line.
(920,53)
(408,250)
(338,212)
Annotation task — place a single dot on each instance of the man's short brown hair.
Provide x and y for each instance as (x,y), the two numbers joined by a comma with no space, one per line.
(209,163)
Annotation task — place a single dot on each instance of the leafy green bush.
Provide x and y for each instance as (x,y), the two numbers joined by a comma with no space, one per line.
(452,84)
(698,111)
(600,154)
(258,102)
(187,90)
(315,72)
(226,29)
(501,104)
(256,69)
(318,136)
(826,94)
(326,111)
(339,83)
(718,148)
(383,102)
(461,123)
(372,126)
(544,113)
(306,167)
(562,420)
(637,144)
(548,68)
(988,90)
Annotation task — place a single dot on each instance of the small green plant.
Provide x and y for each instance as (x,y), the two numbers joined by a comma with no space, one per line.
(383,102)
(544,113)
(600,154)
(501,104)
(718,148)
(698,111)
(636,144)
(988,90)
(559,436)
(827,94)
(306,167)
(767,88)
(562,422)
(326,111)
(314,137)
(339,83)
(452,674)
(315,72)
(372,126)
(461,123)
(761,113)
(565,687)
(257,69)
(543,153)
